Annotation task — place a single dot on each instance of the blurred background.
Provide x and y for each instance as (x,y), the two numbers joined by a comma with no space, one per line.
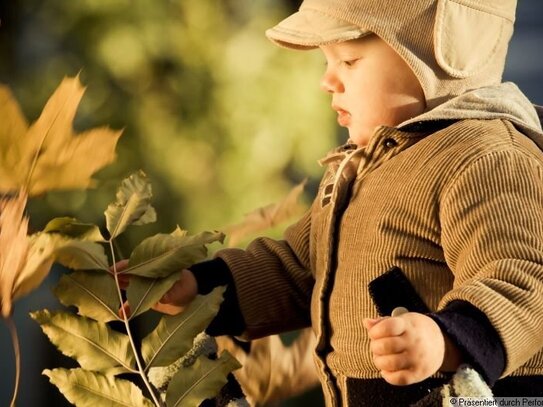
(221,120)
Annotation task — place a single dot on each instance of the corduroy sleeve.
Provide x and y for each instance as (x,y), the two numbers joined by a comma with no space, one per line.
(273,281)
(492,235)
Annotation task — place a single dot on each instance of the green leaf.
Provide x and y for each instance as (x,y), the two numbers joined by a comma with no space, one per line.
(133,205)
(91,389)
(73,228)
(94,294)
(143,292)
(94,345)
(82,255)
(204,379)
(174,335)
(163,254)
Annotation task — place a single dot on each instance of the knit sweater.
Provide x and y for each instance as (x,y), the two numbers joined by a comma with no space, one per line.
(459,210)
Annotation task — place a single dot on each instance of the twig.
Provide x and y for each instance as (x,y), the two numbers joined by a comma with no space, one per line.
(141,371)
(17,352)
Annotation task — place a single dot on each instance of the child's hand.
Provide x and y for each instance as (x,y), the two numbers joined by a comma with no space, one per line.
(408,348)
(173,302)
(117,268)
(179,296)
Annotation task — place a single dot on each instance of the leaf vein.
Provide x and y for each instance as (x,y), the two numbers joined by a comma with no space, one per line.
(95,297)
(197,382)
(98,393)
(104,350)
(143,297)
(170,334)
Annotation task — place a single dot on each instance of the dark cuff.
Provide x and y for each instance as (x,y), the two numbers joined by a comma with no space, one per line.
(475,337)
(211,274)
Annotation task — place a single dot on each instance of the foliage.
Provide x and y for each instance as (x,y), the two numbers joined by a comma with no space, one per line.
(43,157)
(266,217)
(211,107)
(33,160)
(48,155)
(104,353)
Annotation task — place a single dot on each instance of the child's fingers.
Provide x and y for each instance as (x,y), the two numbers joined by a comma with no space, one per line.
(168,309)
(392,326)
(388,346)
(119,266)
(392,363)
(124,280)
(400,377)
(126,307)
(371,322)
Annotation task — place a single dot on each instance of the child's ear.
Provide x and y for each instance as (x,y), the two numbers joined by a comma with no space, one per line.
(469,35)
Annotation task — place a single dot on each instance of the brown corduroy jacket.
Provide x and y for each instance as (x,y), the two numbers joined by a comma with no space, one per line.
(459,210)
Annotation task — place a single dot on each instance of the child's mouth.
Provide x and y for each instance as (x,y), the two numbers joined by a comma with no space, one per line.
(343,117)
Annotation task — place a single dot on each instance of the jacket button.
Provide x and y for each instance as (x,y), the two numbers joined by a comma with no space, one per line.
(390,143)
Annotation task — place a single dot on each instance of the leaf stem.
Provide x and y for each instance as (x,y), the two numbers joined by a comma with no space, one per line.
(141,371)
(17,353)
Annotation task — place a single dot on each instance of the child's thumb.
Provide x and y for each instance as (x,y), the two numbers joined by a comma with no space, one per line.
(371,322)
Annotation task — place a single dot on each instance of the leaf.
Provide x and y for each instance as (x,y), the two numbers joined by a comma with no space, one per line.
(132,206)
(48,155)
(90,389)
(81,255)
(204,379)
(39,259)
(174,335)
(11,143)
(44,249)
(143,293)
(94,345)
(163,254)
(266,217)
(13,247)
(73,228)
(94,294)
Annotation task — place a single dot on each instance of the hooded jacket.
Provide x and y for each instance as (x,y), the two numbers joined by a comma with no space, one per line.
(454,198)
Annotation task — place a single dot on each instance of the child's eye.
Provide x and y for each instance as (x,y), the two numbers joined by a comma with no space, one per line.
(350,62)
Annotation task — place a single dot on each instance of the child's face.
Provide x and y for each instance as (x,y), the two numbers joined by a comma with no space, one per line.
(371,85)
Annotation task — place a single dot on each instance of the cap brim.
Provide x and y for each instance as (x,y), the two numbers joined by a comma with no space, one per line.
(307,29)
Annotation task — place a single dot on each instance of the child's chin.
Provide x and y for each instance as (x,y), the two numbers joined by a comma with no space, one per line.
(360,139)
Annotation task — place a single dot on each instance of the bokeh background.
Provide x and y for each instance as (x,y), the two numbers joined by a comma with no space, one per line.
(221,120)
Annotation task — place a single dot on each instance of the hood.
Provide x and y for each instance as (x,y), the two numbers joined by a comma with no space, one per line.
(452,46)
(505,101)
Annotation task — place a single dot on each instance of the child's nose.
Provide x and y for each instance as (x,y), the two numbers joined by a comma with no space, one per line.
(330,83)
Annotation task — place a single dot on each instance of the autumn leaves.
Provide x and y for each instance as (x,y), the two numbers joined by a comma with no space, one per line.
(48,155)
(44,156)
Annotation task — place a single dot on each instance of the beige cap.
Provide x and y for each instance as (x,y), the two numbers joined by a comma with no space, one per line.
(452,45)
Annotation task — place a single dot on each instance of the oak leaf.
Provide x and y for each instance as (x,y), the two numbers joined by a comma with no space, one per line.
(49,155)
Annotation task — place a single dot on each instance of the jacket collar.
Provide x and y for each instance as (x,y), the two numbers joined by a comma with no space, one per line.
(389,137)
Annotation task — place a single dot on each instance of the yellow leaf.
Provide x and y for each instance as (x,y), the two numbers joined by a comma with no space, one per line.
(266,217)
(39,259)
(25,260)
(50,155)
(13,125)
(13,247)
